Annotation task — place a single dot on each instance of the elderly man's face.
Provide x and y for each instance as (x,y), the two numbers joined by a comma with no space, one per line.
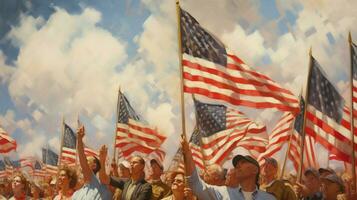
(330,189)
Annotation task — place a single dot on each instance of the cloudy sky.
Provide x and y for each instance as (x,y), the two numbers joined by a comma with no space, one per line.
(68,59)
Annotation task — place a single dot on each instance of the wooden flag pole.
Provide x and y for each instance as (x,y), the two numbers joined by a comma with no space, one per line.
(182,99)
(60,155)
(353,161)
(302,146)
(183,124)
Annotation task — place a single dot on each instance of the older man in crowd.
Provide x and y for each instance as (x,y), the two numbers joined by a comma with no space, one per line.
(247,172)
(272,184)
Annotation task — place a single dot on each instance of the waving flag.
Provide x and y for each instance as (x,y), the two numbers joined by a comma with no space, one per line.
(134,136)
(219,130)
(39,170)
(326,118)
(7,144)
(50,159)
(69,150)
(288,129)
(211,70)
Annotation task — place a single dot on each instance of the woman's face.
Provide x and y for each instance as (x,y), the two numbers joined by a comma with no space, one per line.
(63,178)
(17,183)
(178,183)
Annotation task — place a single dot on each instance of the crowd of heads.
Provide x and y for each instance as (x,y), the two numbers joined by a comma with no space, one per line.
(245,170)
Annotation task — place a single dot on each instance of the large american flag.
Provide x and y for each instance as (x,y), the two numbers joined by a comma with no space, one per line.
(50,160)
(289,129)
(219,130)
(7,143)
(211,70)
(327,117)
(134,136)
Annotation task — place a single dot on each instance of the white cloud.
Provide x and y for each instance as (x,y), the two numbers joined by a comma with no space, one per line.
(66,66)
(31,148)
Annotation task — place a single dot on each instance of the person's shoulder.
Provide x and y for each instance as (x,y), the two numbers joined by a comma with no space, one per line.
(266,195)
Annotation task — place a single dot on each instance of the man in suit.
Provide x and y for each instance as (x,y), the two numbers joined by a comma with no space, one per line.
(136,188)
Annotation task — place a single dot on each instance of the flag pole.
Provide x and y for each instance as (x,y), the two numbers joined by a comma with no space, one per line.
(302,146)
(287,153)
(116,126)
(60,155)
(183,125)
(353,161)
(182,99)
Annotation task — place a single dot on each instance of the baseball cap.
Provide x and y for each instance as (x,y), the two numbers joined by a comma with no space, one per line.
(238,157)
(157,162)
(322,170)
(312,171)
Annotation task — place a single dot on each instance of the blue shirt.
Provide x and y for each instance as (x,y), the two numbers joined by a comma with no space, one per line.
(94,190)
(210,192)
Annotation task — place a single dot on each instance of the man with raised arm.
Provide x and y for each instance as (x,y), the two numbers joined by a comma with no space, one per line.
(247,172)
(136,188)
(92,188)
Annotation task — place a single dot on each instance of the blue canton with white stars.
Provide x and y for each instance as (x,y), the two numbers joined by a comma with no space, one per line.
(69,137)
(199,43)
(38,165)
(299,120)
(354,61)
(210,118)
(323,95)
(49,157)
(126,111)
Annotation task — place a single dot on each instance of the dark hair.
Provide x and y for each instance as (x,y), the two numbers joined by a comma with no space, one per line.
(97,165)
(72,175)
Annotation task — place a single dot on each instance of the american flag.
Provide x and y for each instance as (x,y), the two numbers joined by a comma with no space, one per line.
(39,170)
(211,70)
(327,117)
(219,130)
(3,173)
(27,162)
(288,129)
(7,143)
(354,92)
(50,160)
(134,136)
(69,150)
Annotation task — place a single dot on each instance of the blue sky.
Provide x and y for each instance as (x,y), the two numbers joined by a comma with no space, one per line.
(68,58)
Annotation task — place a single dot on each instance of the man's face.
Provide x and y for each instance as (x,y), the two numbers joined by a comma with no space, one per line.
(136,165)
(245,169)
(269,170)
(178,183)
(91,162)
(155,170)
(330,189)
(312,182)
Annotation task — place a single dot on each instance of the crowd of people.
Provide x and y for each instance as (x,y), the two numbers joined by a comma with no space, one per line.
(246,180)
